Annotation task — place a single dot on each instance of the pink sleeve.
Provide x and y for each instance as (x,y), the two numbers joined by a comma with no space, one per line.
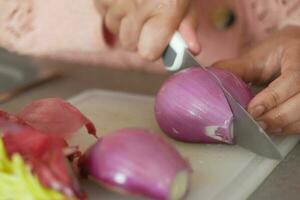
(61,29)
(36,27)
(291,13)
(66,30)
(255,21)
(264,17)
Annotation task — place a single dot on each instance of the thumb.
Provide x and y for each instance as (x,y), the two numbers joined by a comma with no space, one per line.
(188,29)
(242,67)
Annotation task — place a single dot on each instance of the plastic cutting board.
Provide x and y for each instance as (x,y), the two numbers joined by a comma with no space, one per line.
(221,172)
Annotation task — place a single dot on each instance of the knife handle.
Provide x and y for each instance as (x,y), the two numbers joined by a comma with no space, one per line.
(173,56)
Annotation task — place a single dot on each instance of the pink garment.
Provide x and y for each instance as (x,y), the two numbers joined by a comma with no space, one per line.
(71,30)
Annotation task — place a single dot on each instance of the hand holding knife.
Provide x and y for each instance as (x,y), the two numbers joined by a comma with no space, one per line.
(247,132)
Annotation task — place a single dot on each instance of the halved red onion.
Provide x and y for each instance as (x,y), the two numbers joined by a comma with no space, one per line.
(191,106)
(139,162)
(237,87)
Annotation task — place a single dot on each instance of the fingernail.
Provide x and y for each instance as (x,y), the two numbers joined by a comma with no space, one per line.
(276,131)
(257,111)
(263,125)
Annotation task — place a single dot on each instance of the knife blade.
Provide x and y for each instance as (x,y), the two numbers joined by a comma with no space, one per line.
(247,133)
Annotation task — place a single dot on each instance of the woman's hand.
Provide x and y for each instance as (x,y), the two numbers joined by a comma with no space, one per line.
(146,26)
(277,107)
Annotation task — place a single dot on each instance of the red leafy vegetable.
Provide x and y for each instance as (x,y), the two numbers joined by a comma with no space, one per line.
(44,153)
(37,133)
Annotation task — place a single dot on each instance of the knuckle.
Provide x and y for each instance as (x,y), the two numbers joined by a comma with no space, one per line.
(273,98)
(127,43)
(278,119)
(148,55)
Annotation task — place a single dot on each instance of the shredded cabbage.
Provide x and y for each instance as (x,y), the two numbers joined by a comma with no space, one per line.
(18,183)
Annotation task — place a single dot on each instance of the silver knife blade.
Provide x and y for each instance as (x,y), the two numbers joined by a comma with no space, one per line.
(248,134)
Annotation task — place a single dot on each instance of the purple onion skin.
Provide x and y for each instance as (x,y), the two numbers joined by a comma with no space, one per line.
(135,161)
(237,88)
(191,107)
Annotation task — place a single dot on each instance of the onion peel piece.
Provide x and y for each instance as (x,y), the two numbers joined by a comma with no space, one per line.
(55,116)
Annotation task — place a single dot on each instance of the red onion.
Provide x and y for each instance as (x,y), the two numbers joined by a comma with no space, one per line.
(237,88)
(191,106)
(139,162)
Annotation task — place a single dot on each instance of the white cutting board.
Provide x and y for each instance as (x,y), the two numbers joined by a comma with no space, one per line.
(221,172)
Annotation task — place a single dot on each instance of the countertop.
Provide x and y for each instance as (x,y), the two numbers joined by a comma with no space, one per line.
(283,183)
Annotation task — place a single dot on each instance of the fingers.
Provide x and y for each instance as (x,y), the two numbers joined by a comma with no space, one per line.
(282,115)
(155,36)
(188,29)
(158,30)
(283,88)
(276,107)
(131,27)
(116,12)
(280,90)
(243,67)
(291,56)
(146,26)
(291,129)
(259,65)
(113,12)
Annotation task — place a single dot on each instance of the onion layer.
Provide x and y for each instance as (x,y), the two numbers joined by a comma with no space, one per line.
(191,106)
(139,162)
(237,88)
(55,116)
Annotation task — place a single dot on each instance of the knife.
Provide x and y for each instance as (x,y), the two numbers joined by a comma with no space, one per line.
(247,133)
